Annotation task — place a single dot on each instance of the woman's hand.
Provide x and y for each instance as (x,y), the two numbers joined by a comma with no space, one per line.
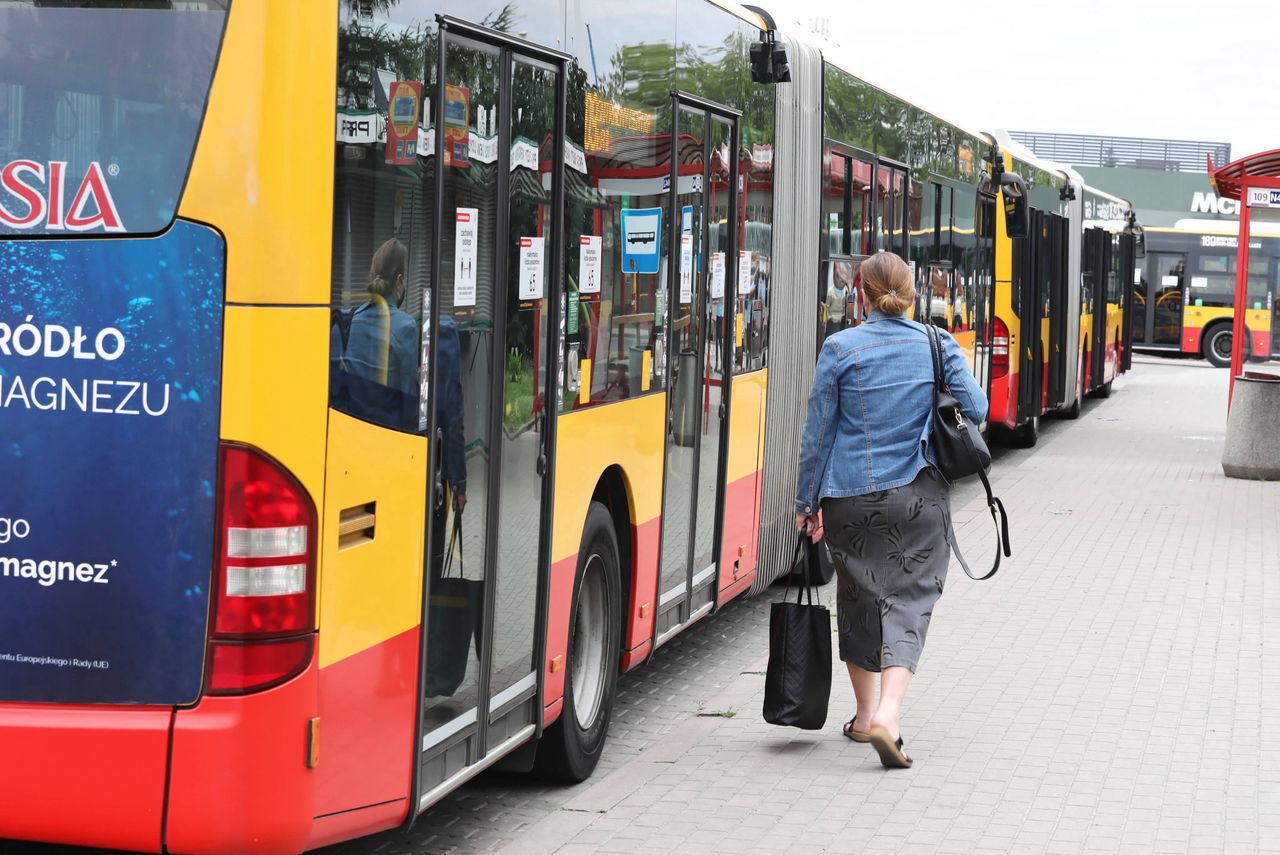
(810,524)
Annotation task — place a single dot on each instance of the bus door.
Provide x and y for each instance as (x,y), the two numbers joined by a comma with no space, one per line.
(1128,260)
(1053,279)
(498,219)
(1029,292)
(1096,245)
(1273,290)
(1165,298)
(979,283)
(711,282)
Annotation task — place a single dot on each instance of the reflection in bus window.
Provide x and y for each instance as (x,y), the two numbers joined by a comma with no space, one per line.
(380,265)
(839,297)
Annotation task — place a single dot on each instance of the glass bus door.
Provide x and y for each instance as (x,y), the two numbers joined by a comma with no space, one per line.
(705,276)
(1029,294)
(1053,278)
(498,223)
(1165,298)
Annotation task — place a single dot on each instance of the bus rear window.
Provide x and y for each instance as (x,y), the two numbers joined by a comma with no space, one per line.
(100,107)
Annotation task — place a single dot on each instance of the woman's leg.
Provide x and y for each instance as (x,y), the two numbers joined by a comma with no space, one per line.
(864,689)
(893,688)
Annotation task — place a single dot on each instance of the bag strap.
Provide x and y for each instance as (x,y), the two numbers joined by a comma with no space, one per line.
(455,539)
(1001,521)
(801,550)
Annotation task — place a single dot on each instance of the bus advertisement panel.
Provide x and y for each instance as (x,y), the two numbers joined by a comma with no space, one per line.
(109,389)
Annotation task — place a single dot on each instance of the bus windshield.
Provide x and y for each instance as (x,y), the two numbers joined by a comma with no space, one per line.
(97,134)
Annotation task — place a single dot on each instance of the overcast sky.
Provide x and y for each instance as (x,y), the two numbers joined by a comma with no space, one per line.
(1122,67)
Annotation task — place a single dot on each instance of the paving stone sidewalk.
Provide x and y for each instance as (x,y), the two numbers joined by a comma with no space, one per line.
(1115,688)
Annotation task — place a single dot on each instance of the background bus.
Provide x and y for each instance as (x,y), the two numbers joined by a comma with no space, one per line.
(1184,295)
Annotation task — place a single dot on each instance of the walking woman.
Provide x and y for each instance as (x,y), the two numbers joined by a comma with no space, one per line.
(866,474)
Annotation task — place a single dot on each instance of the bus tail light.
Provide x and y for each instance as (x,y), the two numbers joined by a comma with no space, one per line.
(264,600)
(1000,349)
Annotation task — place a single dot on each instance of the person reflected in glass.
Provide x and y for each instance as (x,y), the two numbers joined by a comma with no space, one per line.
(455,602)
(378,343)
(867,473)
(837,297)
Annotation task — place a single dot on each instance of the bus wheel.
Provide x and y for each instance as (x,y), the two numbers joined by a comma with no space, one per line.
(1027,435)
(1216,345)
(571,747)
(1103,391)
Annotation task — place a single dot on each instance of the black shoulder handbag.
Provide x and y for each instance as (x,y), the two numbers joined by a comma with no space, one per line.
(959,451)
(797,683)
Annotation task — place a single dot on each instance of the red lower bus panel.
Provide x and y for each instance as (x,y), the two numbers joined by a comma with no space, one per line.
(562,579)
(1003,404)
(367,708)
(357,823)
(739,541)
(644,583)
(86,776)
(1261,343)
(239,780)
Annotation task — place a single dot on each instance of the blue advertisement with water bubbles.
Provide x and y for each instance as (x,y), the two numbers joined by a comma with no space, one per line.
(110,356)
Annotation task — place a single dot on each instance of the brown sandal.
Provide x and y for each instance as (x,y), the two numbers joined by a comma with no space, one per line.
(891,754)
(856,735)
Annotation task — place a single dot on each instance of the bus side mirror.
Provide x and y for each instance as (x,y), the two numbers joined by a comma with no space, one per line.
(1013,199)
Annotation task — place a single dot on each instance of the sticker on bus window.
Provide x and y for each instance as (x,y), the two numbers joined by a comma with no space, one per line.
(1199,281)
(686,269)
(641,228)
(717,275)
(1168,281)
(531,268)
(744,272)
(466,235)
(589,264)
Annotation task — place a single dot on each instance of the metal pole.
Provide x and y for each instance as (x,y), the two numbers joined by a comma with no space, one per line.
(1242,293)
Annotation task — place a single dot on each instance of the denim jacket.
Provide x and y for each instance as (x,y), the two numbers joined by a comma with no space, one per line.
(870,409)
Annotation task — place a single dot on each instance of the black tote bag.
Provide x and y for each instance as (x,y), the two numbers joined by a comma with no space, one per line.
(797,684)
(453,619)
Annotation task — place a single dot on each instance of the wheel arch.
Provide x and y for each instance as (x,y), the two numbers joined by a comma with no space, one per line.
(613,490)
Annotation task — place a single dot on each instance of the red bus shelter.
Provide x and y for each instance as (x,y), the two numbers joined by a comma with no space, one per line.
(1255,181)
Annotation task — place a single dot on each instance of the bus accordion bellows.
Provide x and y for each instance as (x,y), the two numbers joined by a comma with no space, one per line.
(380,380)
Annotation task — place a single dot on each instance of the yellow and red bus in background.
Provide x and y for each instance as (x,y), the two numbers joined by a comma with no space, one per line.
(1184,294)
(381,378)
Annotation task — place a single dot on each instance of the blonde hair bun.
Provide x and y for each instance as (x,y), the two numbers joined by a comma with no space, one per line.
(886,278)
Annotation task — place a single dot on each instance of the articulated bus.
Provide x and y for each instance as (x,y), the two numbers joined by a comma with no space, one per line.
(1040,317)
(1184,295)
(381,378)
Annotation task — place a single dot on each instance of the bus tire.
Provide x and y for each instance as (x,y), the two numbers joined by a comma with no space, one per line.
(571,747)
(1027,435)
(1103,391)
(1216,345)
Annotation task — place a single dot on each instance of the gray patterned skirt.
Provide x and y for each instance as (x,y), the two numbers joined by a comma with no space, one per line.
(890,551)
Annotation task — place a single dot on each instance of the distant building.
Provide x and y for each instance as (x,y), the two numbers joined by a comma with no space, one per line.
(1166,180)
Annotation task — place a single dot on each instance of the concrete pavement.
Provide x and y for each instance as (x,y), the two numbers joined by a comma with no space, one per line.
(1116,687)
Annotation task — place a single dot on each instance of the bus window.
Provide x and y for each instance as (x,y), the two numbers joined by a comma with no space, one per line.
(111,121)
(613,326)
(835,205)
(381,232)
